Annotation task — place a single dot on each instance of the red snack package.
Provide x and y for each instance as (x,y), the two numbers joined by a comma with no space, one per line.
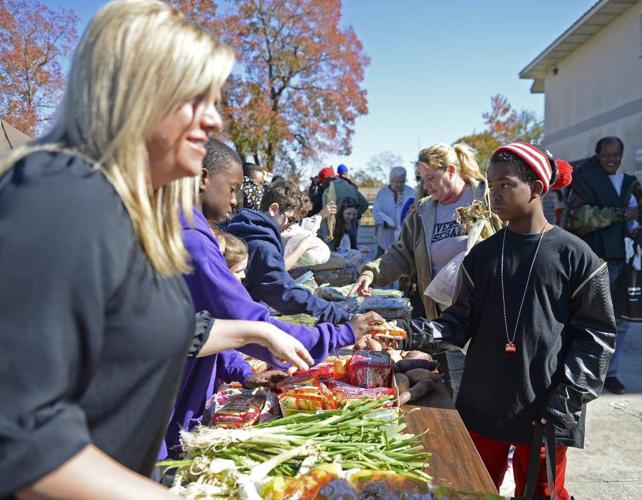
(370,369)
(237,408)
(322,370)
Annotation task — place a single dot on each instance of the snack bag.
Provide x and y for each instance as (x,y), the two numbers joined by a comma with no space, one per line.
(306,399)
(236,408)
(345,392)
(370,369)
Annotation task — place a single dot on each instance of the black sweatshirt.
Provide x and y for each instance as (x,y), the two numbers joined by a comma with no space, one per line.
(564,339)
(92,339)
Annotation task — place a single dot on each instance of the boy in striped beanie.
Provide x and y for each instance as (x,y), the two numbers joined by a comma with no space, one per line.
(534,302)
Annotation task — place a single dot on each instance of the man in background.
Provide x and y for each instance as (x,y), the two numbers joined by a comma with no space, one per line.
(603,210)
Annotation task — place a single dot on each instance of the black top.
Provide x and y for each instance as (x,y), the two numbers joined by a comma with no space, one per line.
(92,339)
(593,185)
(564,338)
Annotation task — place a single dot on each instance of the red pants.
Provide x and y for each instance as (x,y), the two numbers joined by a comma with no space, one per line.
(494,454)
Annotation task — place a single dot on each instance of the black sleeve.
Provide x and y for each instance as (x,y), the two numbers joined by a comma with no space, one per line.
(592,331)
(202,329)
(62,254)
(452,328)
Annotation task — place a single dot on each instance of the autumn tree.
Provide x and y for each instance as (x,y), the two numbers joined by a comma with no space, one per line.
(506,124)
(503,124)
(296,91)
(484,143)
(34,40)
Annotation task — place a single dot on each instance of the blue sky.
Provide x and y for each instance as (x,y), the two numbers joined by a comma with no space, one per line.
(435,64)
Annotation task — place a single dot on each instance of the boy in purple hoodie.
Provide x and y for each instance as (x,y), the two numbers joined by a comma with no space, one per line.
(215,289)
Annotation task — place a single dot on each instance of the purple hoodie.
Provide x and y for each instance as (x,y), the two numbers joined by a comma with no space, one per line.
(215,289)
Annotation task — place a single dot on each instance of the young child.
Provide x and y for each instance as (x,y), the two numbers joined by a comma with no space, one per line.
(236,255)
(534,302)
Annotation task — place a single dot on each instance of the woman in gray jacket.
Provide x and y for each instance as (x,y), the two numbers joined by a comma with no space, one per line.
(431,236)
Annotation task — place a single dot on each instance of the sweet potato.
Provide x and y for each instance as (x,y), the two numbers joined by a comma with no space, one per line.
(361,344)
(417,355)
(417,391)
(409,364)
(416,375)
(403,382)
(373,345)
(394,355)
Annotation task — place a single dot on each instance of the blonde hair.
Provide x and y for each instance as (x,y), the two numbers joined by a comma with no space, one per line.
(137,61)
(235,250)
(461,155)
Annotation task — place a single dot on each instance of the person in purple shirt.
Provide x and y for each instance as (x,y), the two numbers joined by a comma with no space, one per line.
(215,289)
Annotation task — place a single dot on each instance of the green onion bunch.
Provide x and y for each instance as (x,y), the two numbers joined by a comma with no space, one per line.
(360,435)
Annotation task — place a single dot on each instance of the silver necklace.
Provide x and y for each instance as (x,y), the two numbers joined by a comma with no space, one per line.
(511,346)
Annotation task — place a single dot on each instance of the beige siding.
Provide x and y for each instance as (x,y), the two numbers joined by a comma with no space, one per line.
(598,91)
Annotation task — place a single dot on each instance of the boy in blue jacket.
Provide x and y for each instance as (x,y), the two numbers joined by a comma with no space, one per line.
(267,279)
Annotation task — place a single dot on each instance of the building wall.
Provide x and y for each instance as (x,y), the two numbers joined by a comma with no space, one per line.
(597,91)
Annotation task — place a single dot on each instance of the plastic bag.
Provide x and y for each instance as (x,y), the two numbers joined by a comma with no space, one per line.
(442,286)
(319,253)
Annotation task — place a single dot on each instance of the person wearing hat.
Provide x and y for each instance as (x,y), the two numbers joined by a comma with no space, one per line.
(533,301)
(342,173)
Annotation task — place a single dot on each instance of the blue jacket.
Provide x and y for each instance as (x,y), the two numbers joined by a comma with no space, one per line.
(266,277)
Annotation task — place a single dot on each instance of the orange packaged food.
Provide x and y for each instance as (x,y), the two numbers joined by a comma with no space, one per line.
(306,399)
(345,392)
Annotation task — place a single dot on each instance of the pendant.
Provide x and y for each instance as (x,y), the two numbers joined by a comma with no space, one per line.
(511,350)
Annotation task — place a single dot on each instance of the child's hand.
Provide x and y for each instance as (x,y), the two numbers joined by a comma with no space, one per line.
(265,379)
(361,322)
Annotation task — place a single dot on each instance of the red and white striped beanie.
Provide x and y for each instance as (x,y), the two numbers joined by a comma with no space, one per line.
(542,163)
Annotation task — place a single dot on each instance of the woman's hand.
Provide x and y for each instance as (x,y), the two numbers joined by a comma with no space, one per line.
(329,209)
(362,286)
(286,348)
(361,322)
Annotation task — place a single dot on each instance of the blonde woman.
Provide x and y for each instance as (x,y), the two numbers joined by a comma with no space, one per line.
(430,236)
(95,318)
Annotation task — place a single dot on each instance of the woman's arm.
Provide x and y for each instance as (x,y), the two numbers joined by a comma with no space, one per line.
(226,334)
(91,474)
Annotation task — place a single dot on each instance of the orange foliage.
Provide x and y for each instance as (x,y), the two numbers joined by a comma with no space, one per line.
(296,90)
(34,40)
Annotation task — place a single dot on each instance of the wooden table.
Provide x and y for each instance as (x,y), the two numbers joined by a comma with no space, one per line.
(455,462)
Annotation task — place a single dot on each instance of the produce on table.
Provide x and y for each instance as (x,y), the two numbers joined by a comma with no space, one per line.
(299,319)
(416,375)
(403,382)
(419,390)
(234,463)
(416,355)
(408,364)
